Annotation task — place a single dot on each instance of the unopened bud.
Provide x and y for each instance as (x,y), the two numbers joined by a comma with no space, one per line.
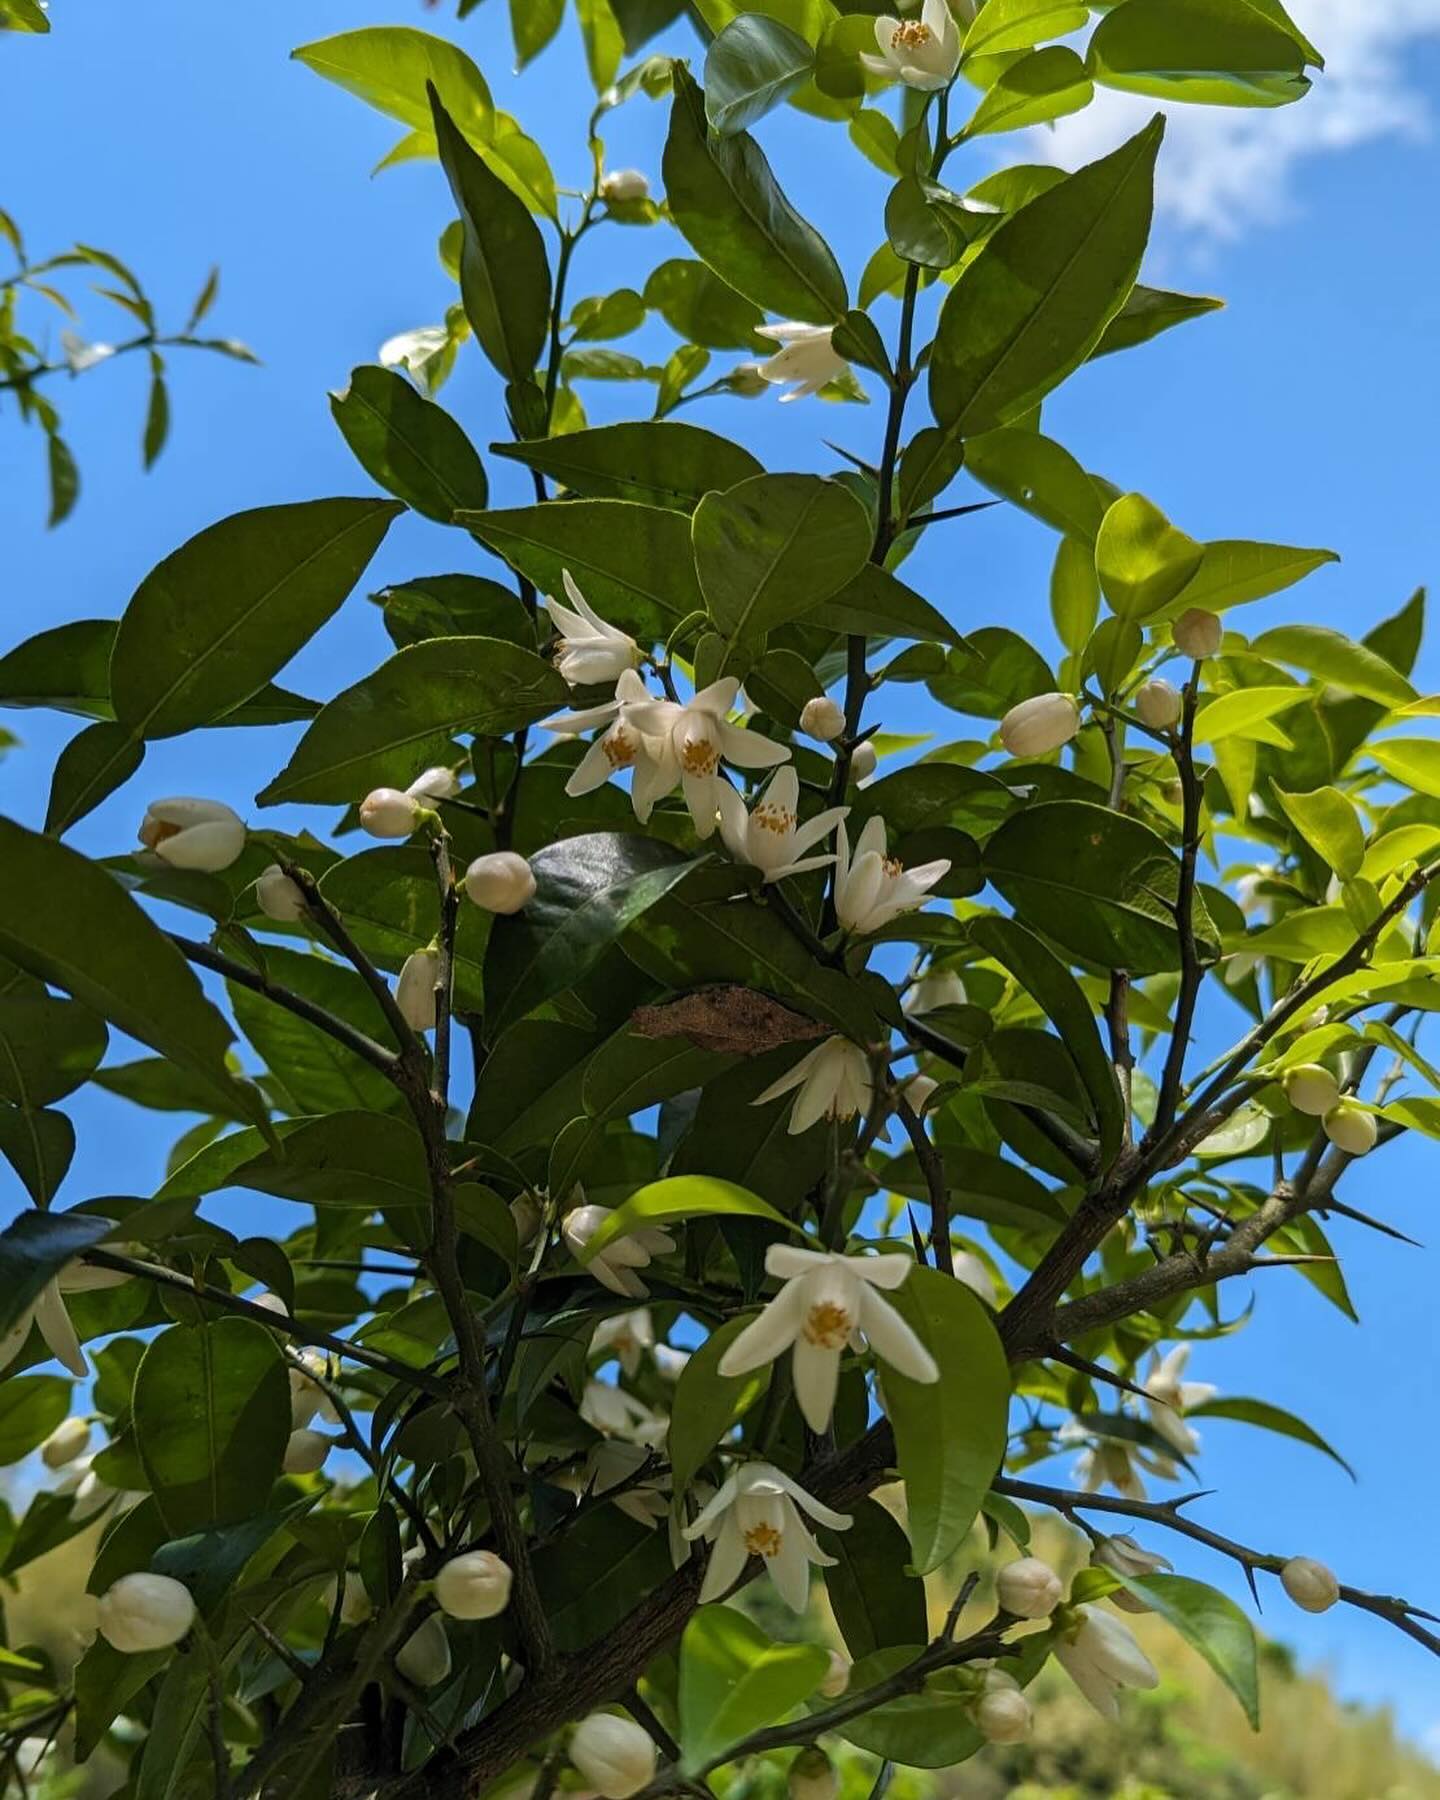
(813,1776)
(278,897)
(355,1603)
(836,1677)
(917,1091)
(1158,704)
(941,987)
(1311,1088)
(305,1452)
(822,718)
(1002,1713)
(525,1211)
(69,1439)
(863,761)
(306,1394)
(1122,1554)
(1351,1129)
(193,834)
(435,784)
(500,882)
(1040,724)
(144,1612)
(1312,1020)
(415,989)
(387,813)
(1309,1584)
(474,1586)
(625,184)
(613,1755)
(424,1657)
(746,380)
(1029,1588)
(1197,633)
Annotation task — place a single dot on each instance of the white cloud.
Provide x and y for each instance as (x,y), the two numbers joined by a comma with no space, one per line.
(1224,169)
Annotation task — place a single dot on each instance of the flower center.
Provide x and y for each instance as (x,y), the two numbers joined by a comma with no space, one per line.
(157,831)
(894,868)
(827,1325)
(699,756)
(763,1540)
(621,746)
(911,36)
(770,817)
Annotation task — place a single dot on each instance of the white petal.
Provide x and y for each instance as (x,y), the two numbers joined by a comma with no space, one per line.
(728,1557)
(790,1079)
(702,796)
(718,1503)
(822,1514)
(789,1569)
(767,1335)
(1097,1688)
(888,1272)
(58,1332)
(892,1339)
(786,1261)
(733,822)
(816,1374)
(816,829)
(748,750)
(719,697)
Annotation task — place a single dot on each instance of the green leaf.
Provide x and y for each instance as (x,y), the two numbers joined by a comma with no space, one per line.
(351,1159)
(31,1406)
(1328,822)
(390,66)
(1204,52)
(708,1404)
(1268,1418)
(23,15)
(411,446)
(1036,473)
(434,606)
(533,24)
(682,1197)
(388,899)
(733,1681)
(48,1047)
(1232,571)
(875,1604)
(877,603)
(1242,710)
(753,65)
(1211,1623)
(402,718)
(1332,657)
(730,209)
(210,1563)
(1142,560)
(1147,313)
(40,1146)
(225,612)
(949,1435)
(212,1418)
(696,303)
(66,667)
(64,479)
(157,414)
(1042,86)
(982,1186)
(310,1071)
(774,549)
(1003,25)
(658,462)
(504,272)
(1415,761)
(88,770)
(1037,298)
(1074,594)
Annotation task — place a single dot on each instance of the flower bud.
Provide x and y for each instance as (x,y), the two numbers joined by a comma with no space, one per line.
(1309,1584)
(746,380)
(1002,1713)
(970,1271)
(69,1439)
(1029,1588)
(435,784)
(144,1612)
(625,184)
(863,761)
(415,990)
(1158,704)
(836,1677)
(1197,633)
(941,987)
(474,1586)
(1312,1020)
(1122,1554)
(355,1605)
(305,1452)
(1039,725)
(812,1776)
(307,1397)
(525,1211)
(917,1091)
(822,718)
(613,1755)
(1351,1129)
(500,882)
(193,834)
(278,897)
(424,1657)
(387,813)
(1311,1088)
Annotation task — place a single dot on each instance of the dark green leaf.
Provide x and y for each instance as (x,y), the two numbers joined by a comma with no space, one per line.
(655,462)
(1205,52)
(696,303)
(88,770)
(707,1404)
(876,1605)
(39,1145)
(31,1406)
(1268,1418)
(754,64)
(411,446)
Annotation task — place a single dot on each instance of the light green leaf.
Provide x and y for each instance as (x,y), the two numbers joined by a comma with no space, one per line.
(1328,822)
(389,67)
(31,1406)
(708,1404)
(1242,709)
(1004,25)
(682,1197)
(733,1681)
(1268,1418)
(1142,560)
(1233,571)
(1334,658)
(1047,84)
(1204,52)
(1211,1623)
(1147,313)
(1036,473)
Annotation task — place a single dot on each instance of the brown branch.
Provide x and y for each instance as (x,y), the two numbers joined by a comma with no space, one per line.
(932,1167)
(1191,970)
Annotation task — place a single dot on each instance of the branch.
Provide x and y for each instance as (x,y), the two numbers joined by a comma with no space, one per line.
(1191,971)
(932,1167)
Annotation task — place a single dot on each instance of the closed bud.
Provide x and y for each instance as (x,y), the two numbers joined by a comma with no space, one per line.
(812,1776)
(1158,704)
(1029,1588)
(193,834)
(306,1394)
(917,1091)
(305,1452)
(1351,1129)
(1312,1020)
(69,1439)
(435,784)
(1197,633)
(144,1612)
(746,380)
(1002,1713)
(836,1677)
(863,761)
(387,813)
(1311,1088)
(1039,725)
(474,1586)
(613,1755)
(415,989)
(355,1603)
(500,882)
(424,1657)
(1309,1584)
(625,184)
(525,1211)
(822,718)
(278,897)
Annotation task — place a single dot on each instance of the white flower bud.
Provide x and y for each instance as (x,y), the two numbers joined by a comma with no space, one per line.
(836,1677)
(500,882)
(822,719)
(387,813)
(1197,633)
(813,1776)
(863,761)
(355,1605)
(625,184)
(1351,1129)
(424,1657)
(1311,1088)
(415,989)
(745,379)
(941,987)
(972,1272)
(1029,1588)
(144,1612)
(1310,1584)
(613,1755)
(1039,725)
(525,1211)
(307,1397)
(1312,1020)
(474,1586)
(305,1452)
(1122,1554)
(1002,1713)
(69,1439)
(278,897)
(917,1091)
(435,784)
(1158,704)
(193,834)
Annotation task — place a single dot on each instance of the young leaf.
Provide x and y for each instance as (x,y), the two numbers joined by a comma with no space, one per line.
(391,66)
(682,1197)
(1143,562)
(733,1681)
(1205,52)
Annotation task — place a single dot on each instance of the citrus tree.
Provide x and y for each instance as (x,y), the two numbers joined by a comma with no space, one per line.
(698,1116)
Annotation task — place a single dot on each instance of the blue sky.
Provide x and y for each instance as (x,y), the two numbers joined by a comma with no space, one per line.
(181,135)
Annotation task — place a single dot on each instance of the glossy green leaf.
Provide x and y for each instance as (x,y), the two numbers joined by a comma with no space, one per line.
(1039,475)
(1242,710)
(754,64)
(1328,822)
(390,66)
(657,462)
(1414,761)
(1268,1418)
(31,1406)
(1147,313)
(1211,1623)
(1233,571)
(682,1197)
(88,770)
(1332,657)
(1142,560)
(411,446)
(708,1404)
(39,1144)
(1047,84)
(696,303)
(734,1680)
(1004,25)
(1204,52)
(877,603)
(875,1604)
(309,1071)
(917,231)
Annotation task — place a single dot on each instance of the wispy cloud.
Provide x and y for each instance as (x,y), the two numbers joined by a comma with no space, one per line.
(1224,170)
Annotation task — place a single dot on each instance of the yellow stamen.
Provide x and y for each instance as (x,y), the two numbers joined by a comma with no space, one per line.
(699,757)
(911,36)
(827,1325)
(773,818)
(763,1540)
(156,831)
(620,747)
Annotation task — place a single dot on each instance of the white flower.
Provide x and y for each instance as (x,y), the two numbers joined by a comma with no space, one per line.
(917,1091)
(307,1397)
(872,888)
(1029,1588)
(836,1678)
(1100,1655)
(812,1776)
(757,1513)
(822,719)
(1351,1129)
(864,760)
(624,1335)
(615,1464)
(615,1413)
(1117,1465)
(700,736)
(355,1603)
(90,1494)
(278,897)
(616,1264)
(1197,633)
(1126,1557)
(1040,724)
(622,745)
(1171,1396)
(589,650)
(769,836)
(305,1452)
(414,350)
(923,53)
(613,1755)
(1311,1088)
(69,1439)
(48,1312)
(806,356)
(1310,1584)
(1002,1713)
(387,813)
(415,989)
(424,1657)
(974,1275)
(474,1586)
(144,1612)
(828,1303)
(438,783)
(1159,704)
(501,882)
(834,1081)
(670,1362)
(940,987)
(193,834)
(625,184)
